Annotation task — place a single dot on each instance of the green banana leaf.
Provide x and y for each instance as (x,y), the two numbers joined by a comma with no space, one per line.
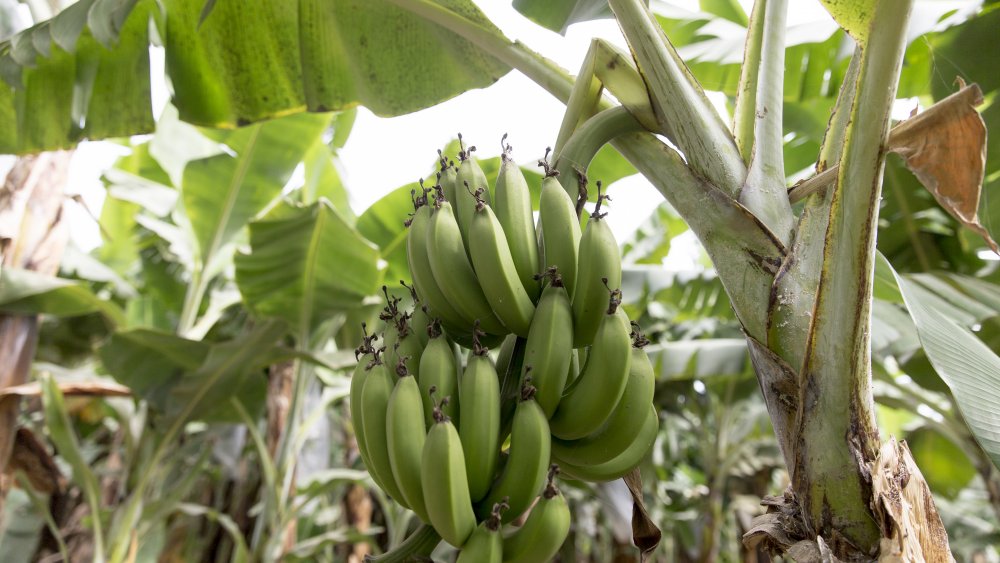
(83,73)
(178,376)
(558,15)
(305,265)
(967,365)
(24,292)
(943,463)
(62,84)
(222,193)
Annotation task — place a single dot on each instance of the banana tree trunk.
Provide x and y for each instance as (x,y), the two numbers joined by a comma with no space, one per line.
(32,236)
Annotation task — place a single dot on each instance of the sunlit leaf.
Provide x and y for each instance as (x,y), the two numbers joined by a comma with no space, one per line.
(855,16)
(84,73)
(558,15)
(222,193)
(319,56)
(86,91)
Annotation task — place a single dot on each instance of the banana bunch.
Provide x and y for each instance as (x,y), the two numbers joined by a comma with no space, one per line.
(436,431)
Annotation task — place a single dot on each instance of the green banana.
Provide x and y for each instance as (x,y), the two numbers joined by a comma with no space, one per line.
(594,395)
(365,354)
(420,317)
(512,206)
(530,448)
(405,435)
(549,349)
(545,530)
(495,270)
(600,266)
(625,423)
(447,176)
(463,336)
(468,183)
(506,354)
(479,394)
(400,341)
(454,273)
(438,371)
(485,545)
(560,229)
(443,478)
(574,366)
(374,401)
(624,462)
(420,267)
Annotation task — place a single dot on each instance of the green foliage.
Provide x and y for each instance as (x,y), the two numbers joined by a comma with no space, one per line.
(558,15)
(305,265)
(55,96)
(942,462)
(192,331)
(27,292)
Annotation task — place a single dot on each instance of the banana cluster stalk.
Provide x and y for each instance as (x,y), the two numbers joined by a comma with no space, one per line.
(433,427)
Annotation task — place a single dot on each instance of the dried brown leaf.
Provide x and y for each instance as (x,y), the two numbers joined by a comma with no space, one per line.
(31,457)
(87,388)
(645,534)
(946,150)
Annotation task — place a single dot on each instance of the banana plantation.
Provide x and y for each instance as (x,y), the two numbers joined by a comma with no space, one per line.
(733,297)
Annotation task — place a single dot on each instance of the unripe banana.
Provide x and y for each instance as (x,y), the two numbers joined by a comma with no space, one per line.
(401,343)
(624,462)
(485,545)
(574,366)
(470,181)
(624,425)
(530,448)
(495,270)
(374,402)
(479,393)
(405,435)
(447,177)
(420,267)
(420,317)
(463,336)
(560,229)
(454,273)
(512,206)
(506,354)
(446,488)
(600,266)
(365,354)
(545,530)
(594,395)
(549,348)
(438,370)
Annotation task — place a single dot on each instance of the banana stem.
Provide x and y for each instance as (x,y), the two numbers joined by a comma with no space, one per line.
(583,101)
(420,544)
(582,146)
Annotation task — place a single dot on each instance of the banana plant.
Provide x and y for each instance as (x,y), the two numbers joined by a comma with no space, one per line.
(800,283)
(799,277)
